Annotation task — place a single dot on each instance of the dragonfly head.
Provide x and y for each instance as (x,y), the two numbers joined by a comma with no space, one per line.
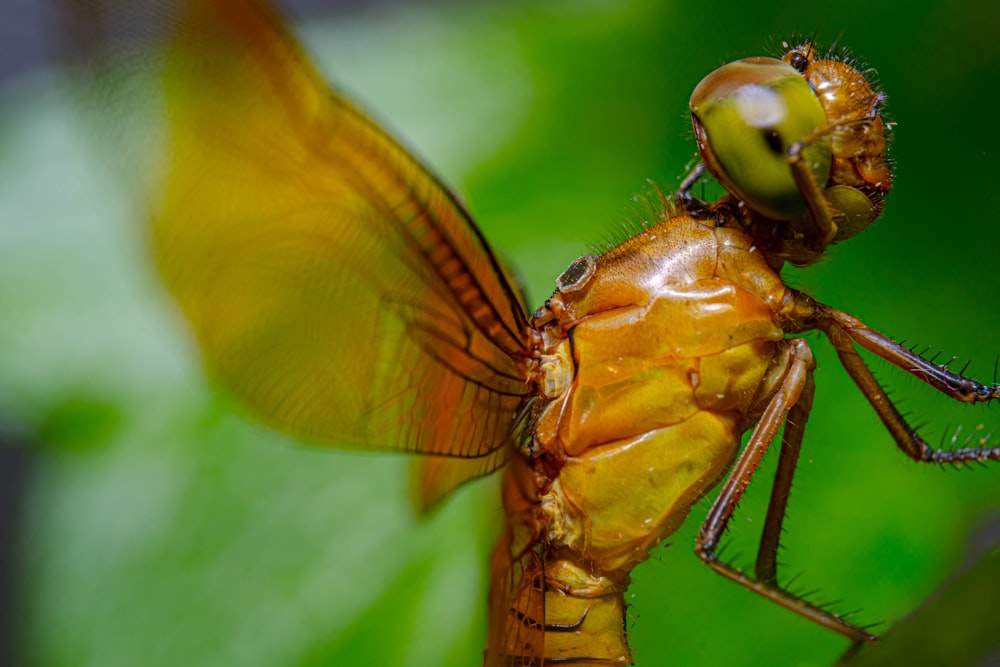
(747,116)
(752,117)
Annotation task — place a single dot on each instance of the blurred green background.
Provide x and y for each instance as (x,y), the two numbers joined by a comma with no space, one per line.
(159,527)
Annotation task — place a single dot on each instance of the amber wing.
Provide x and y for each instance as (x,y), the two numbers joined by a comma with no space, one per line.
(517,610)
(334,285)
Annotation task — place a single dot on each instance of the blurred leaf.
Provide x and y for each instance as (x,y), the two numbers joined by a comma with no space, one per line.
(80,421)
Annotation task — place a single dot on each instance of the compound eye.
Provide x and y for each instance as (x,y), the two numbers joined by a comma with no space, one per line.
(747,114)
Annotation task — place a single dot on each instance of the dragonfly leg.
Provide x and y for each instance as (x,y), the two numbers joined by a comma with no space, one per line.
(796,384)
(954,385)
(812,192)
(844,331)
(692,177)
(791,445)
(822,211)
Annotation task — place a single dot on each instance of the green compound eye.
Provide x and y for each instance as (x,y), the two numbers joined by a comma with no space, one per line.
(746,116)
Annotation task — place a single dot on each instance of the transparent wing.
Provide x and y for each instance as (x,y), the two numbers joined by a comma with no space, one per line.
(516,634)
(332,282)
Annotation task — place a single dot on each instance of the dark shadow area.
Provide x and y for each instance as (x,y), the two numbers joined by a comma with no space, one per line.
(16,461)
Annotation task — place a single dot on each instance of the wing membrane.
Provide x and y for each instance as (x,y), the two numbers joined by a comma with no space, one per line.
(332,282)
(517,609)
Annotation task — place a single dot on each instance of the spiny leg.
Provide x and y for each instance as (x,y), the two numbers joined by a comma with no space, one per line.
(791,446)
(953,385)
(843,331)
(793,386)
(765,568)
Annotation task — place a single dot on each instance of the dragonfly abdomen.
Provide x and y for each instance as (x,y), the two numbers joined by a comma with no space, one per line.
(560,611)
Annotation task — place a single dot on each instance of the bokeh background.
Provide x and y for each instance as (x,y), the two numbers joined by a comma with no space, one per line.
(146,521)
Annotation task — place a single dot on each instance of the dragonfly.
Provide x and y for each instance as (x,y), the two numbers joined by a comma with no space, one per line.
(345,295)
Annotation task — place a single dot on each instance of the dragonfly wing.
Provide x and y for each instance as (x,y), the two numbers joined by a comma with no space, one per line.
(332,282)
(516,635)
(434,477)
